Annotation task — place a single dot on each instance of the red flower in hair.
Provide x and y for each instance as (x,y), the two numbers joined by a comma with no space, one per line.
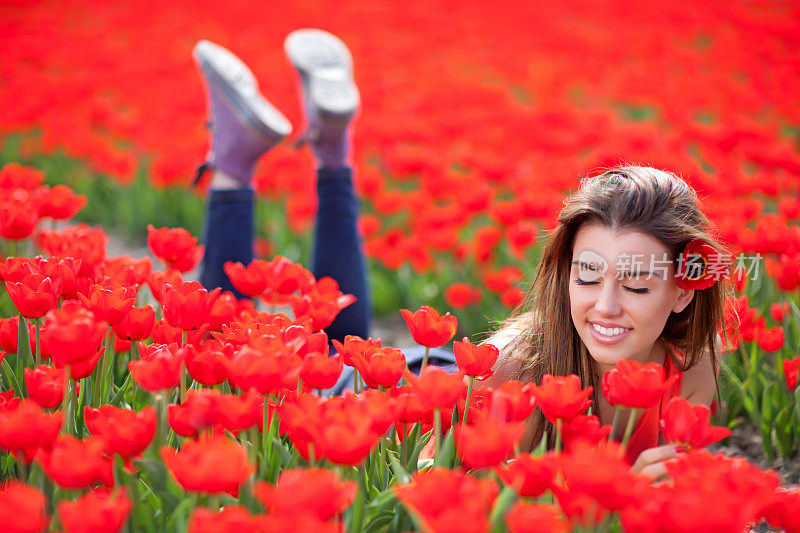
(700,266)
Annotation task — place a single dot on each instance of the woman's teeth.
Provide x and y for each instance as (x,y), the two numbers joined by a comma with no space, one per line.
(609,332)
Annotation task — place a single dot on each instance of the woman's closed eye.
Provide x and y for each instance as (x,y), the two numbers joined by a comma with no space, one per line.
(642,290)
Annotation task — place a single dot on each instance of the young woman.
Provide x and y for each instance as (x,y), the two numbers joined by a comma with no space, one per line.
(606,289)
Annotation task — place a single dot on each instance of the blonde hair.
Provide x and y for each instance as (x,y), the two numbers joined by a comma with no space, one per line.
(644,199)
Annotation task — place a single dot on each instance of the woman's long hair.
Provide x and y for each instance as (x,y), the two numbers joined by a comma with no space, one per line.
(628,198)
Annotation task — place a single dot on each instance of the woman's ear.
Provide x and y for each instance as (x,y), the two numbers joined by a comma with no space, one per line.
(684,298)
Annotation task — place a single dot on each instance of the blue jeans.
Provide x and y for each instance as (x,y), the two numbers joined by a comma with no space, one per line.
(229,233)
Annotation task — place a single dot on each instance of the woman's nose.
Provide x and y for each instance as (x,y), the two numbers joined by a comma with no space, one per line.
(607,301)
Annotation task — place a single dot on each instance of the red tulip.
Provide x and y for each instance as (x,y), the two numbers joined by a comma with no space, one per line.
(779,311)
(428,328)
(601,472)
(238,413)
(354,348)
(124,431)
(158,281)
(18,215)
(409,405)
(35,295)
(229,519)
(381,367)
(176,247)
(584,428)
(98,510)
(307,491)
(126,270)
(321,304)
(688,425)
(782,512)
(739,491)
(158,368)
(8,402)
(561,397)
(487,442)
(344,434)
(525,517)
(791,370)
(22,508)
(16,176)
(65,269)
(196,413)
(85,368)
(449,500)
(45,385)
(512,401)
(285,277)
(209,364)
(76,464)
(475,360)
(770,339)
(137,324)
(320,371)
(437,388)
(9,334)
(461,295)
(251,280)
(85,244)
(27,428)
(211,464)
(188,305)
(267,371)
(109,301)
(61,203)
(72,334)
(635,385)
(529,476)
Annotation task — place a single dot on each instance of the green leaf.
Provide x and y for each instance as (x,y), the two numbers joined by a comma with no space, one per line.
(504,500)
(784,431)
(385,498)
(411,463)
(10,377)
(24,344)
(379,523)
(447,455)
(121,391)
(401,474)
(160,481)
(768,406)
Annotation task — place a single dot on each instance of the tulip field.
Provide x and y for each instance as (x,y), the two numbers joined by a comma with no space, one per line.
(133,399)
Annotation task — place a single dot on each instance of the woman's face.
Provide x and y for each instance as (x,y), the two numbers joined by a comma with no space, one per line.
(621,292)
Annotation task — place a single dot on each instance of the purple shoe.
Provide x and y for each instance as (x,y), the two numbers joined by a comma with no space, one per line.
(330,96)
(243,124)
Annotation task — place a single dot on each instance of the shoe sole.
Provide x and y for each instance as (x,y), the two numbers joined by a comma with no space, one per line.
(325,66)
(227,74)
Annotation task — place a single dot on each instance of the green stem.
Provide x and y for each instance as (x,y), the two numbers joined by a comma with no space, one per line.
(558,435)
(437,428)
(312,460)
(67,427)
(629,427)
(424,359)
(614,424)
(37,357)
(469,396)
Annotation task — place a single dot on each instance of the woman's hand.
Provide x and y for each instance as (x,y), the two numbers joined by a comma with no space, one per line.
(651,462)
